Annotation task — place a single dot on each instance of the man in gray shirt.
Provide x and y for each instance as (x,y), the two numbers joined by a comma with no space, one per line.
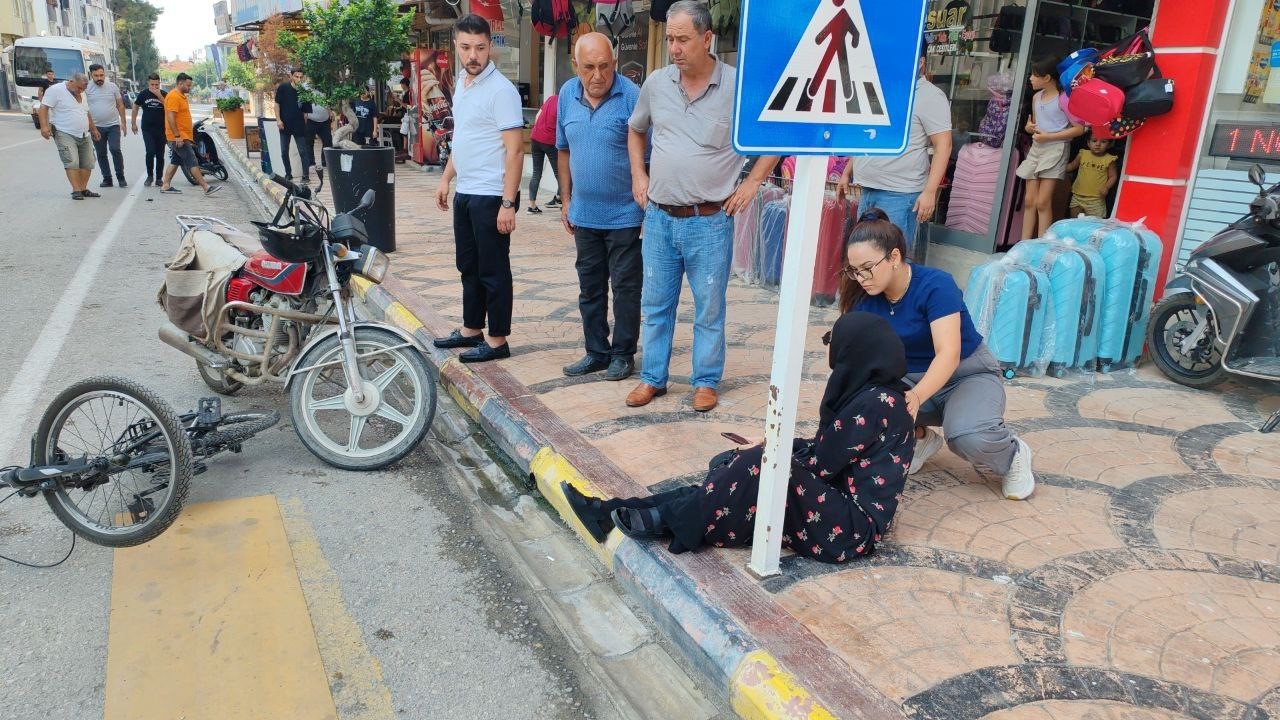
(689,199)
(905,187)
(106,107)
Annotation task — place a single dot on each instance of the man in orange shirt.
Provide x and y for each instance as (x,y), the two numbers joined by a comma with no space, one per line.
(181,137)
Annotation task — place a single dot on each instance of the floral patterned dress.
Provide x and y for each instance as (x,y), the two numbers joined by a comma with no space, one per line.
(845,485)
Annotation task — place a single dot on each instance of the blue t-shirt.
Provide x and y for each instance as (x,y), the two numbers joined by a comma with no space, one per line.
(932,295)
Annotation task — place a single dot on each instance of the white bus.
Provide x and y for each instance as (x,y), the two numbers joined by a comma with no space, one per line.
(30,57)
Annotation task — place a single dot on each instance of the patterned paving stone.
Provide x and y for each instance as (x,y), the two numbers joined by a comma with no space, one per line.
(1243,522)
(905,630)
(1218,634)
(1176,409)
(1243,454)
(1110,457)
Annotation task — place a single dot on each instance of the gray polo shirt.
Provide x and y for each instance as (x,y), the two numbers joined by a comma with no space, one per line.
(693,160)
(908,172)
(102,103)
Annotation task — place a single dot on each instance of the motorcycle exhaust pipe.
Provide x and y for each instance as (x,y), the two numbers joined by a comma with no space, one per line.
(175,337)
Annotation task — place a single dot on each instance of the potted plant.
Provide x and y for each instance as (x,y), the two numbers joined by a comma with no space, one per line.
(232,109)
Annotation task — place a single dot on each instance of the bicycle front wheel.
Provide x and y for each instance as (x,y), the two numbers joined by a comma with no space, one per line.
(147,465)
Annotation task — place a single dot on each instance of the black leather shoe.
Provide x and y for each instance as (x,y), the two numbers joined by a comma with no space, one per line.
(485,352)
(105,183)
(122,183)
(620,368)
(585,366)
(457,340)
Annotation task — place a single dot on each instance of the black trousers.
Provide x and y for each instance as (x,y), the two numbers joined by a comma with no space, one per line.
(304,152)
(484,261)
(155,142)
(541,151)
(605,257)
(322,130)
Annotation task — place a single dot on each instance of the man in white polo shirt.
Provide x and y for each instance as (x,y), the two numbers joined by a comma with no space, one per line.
(64,117)
(487,159)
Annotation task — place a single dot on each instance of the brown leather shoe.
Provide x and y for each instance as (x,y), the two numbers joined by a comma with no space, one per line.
(704,399)
(644,394)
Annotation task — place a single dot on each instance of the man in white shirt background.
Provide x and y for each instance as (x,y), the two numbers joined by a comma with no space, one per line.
(64,118)
(106,108)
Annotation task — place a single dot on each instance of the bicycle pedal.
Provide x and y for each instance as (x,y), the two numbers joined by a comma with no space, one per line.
(209,411)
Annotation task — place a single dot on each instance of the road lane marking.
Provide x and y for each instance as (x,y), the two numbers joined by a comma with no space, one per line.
(24,142)
(209,621)
(355,676)
(28,382)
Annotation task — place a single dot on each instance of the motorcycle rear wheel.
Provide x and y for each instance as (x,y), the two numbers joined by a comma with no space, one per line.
(112,417)
(406,395)
(1172,320)
(218,381)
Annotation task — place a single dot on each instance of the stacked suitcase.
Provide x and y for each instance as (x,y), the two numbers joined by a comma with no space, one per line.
(746,229)
(760,241)
(973,190)
(1080,298)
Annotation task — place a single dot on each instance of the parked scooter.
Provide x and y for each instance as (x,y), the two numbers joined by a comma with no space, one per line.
(360,394)
(1221,315)
(206,156)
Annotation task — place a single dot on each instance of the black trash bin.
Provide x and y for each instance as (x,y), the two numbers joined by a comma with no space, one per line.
(351,173)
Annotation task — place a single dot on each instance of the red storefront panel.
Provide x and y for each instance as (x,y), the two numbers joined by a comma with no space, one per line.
(1166,146)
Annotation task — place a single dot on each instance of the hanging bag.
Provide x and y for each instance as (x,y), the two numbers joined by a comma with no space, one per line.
(614,18)
(1006,35)
(553,18)
(1095,101)
(724,17)
(658,10)
(1125,71)
(1149,98)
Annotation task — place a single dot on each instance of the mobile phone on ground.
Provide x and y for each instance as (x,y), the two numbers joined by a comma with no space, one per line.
(735,437)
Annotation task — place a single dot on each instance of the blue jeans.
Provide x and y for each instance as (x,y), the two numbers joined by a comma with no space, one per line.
(109,140)
(898,206)
(700,247)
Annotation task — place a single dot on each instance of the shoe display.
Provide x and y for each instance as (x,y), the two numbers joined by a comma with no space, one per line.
(457,340)
(485,352)
(620,368)
(1019,482)
(585,366)
(704,399)
(644,394)
(926,447)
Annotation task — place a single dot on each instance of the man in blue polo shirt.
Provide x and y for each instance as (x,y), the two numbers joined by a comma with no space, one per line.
(600,213)
(488,160)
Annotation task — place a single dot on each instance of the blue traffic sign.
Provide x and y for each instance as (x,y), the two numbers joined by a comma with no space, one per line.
(826,77)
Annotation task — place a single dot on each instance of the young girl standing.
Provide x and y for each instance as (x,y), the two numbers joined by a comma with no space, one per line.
(1051,134)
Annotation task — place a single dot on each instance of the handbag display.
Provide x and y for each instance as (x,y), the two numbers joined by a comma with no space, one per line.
(1117,128)
(1125,71)
(1095,101)
(1006,35)
(1149,98)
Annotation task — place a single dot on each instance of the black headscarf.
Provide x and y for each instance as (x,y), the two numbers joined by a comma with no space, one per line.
(864,351)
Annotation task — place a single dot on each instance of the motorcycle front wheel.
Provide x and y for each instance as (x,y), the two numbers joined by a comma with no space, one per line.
(1172,320)
(396,412)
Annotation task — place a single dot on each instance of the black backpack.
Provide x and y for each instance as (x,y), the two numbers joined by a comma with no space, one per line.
(1006,35)
(658,10)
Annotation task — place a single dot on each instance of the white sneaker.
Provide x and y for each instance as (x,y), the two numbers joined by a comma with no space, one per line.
(1019,483)
(926,448)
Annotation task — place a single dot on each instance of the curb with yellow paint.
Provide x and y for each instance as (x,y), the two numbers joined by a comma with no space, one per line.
(758,686)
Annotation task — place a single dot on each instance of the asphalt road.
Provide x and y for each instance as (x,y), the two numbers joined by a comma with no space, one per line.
(446,625)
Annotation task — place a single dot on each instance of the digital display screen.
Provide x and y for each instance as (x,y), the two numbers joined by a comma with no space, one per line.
(1246,141)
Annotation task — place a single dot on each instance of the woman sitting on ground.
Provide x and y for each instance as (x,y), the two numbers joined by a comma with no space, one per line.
(955,380)
(845,483)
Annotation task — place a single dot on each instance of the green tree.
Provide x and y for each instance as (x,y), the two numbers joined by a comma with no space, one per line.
(240,74)
(349,44)
(137,56)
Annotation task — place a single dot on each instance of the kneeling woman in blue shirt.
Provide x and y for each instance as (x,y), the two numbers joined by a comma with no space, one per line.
(955,380)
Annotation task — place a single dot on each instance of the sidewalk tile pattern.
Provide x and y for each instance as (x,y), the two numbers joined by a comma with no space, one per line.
(1140,582)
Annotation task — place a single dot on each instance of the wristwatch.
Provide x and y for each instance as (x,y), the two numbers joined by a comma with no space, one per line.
(508,204)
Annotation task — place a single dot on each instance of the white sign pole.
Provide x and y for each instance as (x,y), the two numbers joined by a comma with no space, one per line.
(549,68)
(788,360)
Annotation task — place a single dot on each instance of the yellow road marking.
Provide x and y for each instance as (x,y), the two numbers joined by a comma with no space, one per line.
(549,469)
(762,690)
(209,621)
(355,676)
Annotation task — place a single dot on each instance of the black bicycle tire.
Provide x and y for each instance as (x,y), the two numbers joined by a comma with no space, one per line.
(162,517)
(247,424)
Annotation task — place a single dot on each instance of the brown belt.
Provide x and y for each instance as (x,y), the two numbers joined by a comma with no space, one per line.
(684,211)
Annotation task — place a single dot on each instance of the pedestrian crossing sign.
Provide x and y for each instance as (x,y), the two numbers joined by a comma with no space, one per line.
(826,77)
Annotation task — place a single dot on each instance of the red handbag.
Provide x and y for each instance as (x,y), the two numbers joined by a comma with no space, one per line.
(1095,101)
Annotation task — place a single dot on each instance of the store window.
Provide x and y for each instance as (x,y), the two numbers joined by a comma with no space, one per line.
(978,52)
(1243,126)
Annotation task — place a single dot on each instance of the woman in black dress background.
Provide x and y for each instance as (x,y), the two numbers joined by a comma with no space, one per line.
(845,483)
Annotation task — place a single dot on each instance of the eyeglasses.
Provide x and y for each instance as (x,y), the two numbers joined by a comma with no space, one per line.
(866,272)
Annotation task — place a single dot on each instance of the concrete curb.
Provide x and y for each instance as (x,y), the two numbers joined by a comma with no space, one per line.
(723,650)
(732,655)
(227,145)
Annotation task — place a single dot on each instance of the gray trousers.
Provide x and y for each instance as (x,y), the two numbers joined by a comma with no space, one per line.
(970,410)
